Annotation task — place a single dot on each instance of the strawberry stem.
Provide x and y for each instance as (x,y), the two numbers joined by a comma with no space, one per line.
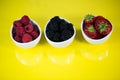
(103,26)
(91,29)
(88,17)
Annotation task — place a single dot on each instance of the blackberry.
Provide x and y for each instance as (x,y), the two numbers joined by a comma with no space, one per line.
(63,25)
(66,34)
(50,34)
(56,19)
(59,30)
(53,26)
(70,27)
(56,37)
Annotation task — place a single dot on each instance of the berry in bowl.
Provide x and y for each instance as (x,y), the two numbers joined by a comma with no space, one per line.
(25,32)
(96,29)
(59,32)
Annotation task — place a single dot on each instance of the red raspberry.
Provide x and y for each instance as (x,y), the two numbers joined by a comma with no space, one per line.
(17,24)
(20,31)
(26,38)
(25,20)
(34,34)
(18,38)
(29,28)
(35,28)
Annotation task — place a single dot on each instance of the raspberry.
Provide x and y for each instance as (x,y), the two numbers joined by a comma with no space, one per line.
(26,38)
(17,24)
(25,20)
(35,28)
(13,32)
(20,31)
(29,28)
(25,30)
(34,34)
(18,38)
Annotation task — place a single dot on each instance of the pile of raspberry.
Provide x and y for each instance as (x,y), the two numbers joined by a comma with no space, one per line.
(24,30)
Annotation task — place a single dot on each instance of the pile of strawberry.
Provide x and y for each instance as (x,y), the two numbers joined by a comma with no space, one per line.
(96,27)
(24,30)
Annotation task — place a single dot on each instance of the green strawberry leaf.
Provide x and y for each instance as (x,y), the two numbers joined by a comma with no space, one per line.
(103,26)
(91,29)
(88,17)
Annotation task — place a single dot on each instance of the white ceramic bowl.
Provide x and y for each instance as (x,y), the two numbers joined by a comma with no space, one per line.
(95,41)
(27,44)
(60,44)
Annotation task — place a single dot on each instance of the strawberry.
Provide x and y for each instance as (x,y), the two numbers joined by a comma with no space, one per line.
(90,31)
(26,38)
(25,20)
(102,25)
(89,19)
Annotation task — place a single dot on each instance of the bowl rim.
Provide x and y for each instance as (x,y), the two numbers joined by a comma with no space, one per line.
(61,41)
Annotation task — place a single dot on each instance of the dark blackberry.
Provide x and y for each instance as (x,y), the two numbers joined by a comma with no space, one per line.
(50,34)
(70,27)
(63,25)
(56,37)
(66,34)
(59,30)
(53,26)
(55,19)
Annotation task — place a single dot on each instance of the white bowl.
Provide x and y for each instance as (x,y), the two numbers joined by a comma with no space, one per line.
(27,44)
(95,41)
(62,43)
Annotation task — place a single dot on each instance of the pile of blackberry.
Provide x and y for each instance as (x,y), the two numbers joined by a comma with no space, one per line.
(59,30)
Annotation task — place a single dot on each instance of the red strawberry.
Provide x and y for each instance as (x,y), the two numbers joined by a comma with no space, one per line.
(99,36)
(99,17)
(25,20)
(29,28)
(102,25)
(26,38)
(34,34)
(17,24)
(90,31)
(89,19)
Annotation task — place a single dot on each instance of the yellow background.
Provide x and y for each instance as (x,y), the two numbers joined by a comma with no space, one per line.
(79,61)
